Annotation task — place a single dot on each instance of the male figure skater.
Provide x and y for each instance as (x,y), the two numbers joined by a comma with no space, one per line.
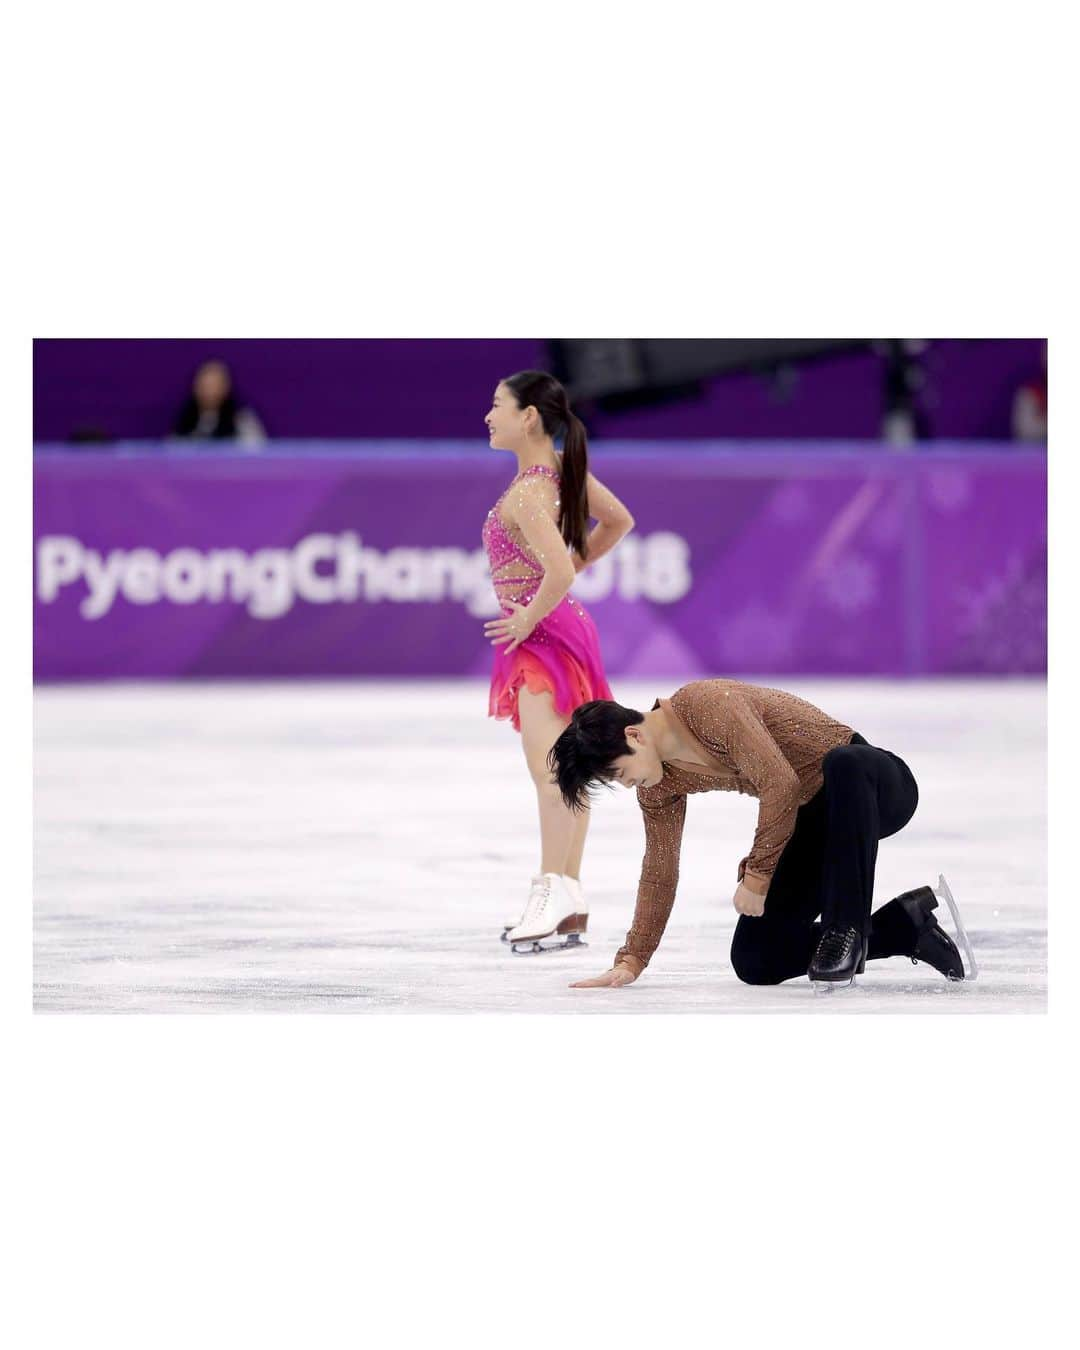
(826,798)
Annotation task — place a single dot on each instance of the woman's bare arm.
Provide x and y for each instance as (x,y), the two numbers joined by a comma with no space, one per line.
(614,521)
(532,508)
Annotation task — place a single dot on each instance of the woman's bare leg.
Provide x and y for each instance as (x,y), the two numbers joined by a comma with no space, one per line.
(577,845)
(541,727)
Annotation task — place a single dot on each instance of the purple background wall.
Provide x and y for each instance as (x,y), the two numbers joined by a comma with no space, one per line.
(314,560)
(132,388)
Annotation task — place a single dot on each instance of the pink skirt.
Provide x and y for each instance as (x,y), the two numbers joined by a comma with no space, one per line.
(561,655)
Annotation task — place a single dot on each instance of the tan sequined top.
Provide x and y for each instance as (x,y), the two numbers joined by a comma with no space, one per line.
(764,742)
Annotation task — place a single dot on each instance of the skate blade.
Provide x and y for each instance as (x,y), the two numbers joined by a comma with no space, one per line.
(831,986)
(538,946)
(942,889)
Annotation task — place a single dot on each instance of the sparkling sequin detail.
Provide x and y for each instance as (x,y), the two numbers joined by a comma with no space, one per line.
(763,742)
(516,567)
(562,653)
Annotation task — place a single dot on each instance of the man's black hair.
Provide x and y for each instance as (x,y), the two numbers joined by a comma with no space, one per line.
(590,745)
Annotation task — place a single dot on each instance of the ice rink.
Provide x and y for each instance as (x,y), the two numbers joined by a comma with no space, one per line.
(356,847)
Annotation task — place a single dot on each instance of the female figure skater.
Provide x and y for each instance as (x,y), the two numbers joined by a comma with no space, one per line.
(548,659)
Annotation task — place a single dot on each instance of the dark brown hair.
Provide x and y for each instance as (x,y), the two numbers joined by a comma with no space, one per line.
(590,745)
(537,389)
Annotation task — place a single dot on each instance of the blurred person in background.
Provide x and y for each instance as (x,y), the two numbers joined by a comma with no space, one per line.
(1029,406)
(548,664)
(211,411)
(904,420)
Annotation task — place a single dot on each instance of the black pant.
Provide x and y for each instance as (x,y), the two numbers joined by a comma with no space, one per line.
(827,868)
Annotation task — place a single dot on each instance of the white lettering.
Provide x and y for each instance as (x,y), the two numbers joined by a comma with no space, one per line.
(103,578)
(443,568)
(227,571)
(596,581)
(323,569)
(271,589)
(311,585)
(402,574)
(60,561)
(142,576)
(183,577)
(352,562)
(666,571)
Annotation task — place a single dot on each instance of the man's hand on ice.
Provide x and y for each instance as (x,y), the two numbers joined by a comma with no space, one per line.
(611,979)
(749,902)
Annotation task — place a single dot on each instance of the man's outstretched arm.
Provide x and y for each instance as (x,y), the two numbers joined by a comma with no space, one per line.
(656,892)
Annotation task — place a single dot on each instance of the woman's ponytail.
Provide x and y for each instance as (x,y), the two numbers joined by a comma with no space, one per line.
(573,494)
(538,389)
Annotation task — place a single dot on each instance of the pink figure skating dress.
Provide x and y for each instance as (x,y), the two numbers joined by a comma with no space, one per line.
(562,653)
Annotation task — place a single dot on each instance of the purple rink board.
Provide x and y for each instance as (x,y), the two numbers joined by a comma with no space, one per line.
(365,559)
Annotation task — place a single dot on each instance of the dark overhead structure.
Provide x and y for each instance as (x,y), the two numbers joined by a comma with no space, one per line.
(634,370)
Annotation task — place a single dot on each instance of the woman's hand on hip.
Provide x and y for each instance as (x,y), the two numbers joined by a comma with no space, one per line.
(512,628)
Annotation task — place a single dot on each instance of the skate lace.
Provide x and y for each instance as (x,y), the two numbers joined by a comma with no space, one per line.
(836,944)
(539,895)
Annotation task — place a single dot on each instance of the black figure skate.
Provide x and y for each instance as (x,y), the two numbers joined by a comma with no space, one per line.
(933,945)
(840,956)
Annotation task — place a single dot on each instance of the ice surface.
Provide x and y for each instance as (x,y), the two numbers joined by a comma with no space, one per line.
(357,847)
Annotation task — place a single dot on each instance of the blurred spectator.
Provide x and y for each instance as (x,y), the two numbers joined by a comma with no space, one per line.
(211,411)
(904,418)
(1029,406)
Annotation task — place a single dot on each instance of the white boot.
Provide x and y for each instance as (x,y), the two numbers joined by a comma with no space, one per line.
(581,910)
(550,919)
(504,936)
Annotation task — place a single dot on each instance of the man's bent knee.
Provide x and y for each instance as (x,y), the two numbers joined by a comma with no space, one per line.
(752,965)
(843,761)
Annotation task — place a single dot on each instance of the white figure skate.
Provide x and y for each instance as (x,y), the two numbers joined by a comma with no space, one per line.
(550,922)
(573,885)
(581,904)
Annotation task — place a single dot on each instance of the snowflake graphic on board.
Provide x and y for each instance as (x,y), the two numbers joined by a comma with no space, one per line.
(1002,623)
(948,489)
(851,584)
(768,634)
